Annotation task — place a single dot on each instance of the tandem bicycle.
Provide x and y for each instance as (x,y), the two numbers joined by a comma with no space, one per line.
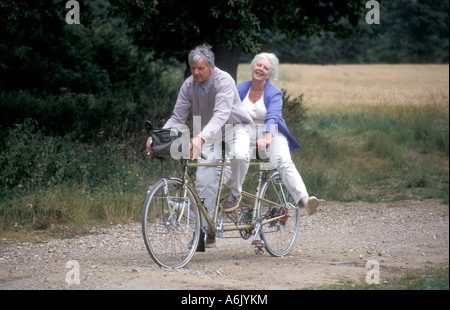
(172,216)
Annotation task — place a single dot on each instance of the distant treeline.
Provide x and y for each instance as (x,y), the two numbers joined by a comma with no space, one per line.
(409,32)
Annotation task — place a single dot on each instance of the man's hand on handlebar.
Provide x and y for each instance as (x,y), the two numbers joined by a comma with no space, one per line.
(195,147)
(149,146)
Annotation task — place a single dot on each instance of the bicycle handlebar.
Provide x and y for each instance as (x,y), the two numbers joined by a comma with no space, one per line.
(149,127)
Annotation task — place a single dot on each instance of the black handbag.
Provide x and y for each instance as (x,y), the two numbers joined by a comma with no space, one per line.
(162,140)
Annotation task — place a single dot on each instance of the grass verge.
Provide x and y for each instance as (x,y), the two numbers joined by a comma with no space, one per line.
(423,279)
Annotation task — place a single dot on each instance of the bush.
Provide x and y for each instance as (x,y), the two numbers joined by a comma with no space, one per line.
(32,160)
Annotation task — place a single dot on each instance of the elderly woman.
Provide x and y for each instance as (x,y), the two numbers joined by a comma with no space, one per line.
(264,101)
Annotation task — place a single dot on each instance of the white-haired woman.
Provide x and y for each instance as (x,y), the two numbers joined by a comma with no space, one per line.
(264,102)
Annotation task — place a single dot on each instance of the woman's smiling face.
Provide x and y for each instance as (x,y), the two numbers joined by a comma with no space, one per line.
(261,70)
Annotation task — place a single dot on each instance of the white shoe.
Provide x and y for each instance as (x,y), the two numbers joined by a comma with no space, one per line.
(310,204)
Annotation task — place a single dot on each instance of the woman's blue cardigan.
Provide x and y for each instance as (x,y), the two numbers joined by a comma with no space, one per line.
(273,100)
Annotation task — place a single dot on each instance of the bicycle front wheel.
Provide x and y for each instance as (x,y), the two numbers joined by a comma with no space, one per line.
(171,223)
(278,235)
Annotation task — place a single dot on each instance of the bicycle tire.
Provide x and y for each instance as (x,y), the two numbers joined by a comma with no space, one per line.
(279,235)
(171,231)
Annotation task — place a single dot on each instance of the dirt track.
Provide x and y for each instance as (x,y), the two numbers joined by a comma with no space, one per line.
(333,246)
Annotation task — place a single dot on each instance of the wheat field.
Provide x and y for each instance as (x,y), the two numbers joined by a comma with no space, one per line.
(344,87)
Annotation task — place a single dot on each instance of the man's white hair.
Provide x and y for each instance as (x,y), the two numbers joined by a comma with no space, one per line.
(202,51)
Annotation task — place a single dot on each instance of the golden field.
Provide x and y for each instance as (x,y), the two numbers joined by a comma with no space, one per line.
(338,87)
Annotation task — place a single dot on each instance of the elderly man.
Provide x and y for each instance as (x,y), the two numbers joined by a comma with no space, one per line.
(211,95)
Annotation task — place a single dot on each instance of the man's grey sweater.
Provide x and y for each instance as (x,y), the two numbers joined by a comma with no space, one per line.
(217,104)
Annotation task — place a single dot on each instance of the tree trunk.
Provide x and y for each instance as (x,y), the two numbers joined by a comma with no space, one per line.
(228,60)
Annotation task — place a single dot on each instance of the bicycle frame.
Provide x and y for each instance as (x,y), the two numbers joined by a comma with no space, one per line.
(212,223)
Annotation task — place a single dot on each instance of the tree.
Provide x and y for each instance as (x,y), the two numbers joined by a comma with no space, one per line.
(21,48)
(409,32)
(172,27)
(40,52)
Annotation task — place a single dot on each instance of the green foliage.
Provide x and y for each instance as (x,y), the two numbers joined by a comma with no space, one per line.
(91,118)
(228,25)
(91,57)
(33,160)
(409,32)
(34,45)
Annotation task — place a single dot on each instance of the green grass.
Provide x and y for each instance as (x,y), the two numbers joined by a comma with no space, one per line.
(373,155)
(70,205)
(424,279)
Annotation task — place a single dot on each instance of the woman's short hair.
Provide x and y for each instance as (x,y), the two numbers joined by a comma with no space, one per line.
(273,64)
(202,51)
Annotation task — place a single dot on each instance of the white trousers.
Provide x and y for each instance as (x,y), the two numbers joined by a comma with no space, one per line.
(280,158)
(237,151)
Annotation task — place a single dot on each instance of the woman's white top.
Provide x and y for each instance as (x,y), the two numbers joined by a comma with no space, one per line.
(257,110)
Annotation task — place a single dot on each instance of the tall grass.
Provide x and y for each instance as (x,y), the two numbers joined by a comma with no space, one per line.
(398,153)
(70,205)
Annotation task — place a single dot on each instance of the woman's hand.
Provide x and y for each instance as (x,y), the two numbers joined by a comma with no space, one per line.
(262,144)
(148,146)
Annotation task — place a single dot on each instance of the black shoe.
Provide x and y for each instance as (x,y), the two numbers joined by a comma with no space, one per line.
(210,242)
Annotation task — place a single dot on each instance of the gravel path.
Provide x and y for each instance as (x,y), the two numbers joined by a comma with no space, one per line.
(333,246)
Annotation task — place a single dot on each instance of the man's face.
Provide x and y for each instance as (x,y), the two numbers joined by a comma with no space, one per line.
(201,71)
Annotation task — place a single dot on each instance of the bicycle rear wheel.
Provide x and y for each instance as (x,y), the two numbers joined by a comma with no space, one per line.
(171,223)
(278,235)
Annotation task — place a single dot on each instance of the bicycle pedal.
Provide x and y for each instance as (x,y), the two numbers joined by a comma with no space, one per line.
(258,243)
